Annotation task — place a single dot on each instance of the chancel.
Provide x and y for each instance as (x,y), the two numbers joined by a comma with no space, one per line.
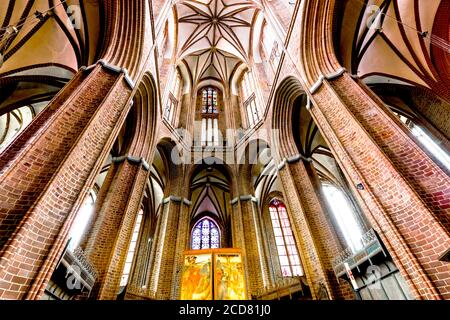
(224,150)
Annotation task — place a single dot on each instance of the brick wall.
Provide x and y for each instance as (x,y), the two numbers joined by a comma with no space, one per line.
(47,184)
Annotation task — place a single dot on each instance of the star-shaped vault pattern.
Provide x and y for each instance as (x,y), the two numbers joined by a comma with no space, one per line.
(214,36)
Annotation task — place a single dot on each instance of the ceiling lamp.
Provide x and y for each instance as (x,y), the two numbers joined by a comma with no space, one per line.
(11,30)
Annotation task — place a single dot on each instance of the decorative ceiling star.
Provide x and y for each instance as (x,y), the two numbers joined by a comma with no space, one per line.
(214,35)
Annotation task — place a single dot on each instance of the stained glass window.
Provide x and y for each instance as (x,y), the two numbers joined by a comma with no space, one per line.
(205,235)
(209,101)
(284,240)
(210,123)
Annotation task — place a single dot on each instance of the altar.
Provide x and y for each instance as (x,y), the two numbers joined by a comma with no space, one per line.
(213,274)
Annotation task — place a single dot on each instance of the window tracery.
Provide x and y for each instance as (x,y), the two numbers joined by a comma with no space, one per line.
(205,235)
(284,239)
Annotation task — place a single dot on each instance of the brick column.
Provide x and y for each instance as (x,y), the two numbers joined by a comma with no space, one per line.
(237,235)
(99,202)
(237,227)
(25,139)
(110,237)
(254,251)
(151,281)
(140,272)
(42,190)
(406,193)
(164,248)
(182,243)
(316,238)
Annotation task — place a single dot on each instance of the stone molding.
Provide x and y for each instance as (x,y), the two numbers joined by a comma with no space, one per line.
(132,160)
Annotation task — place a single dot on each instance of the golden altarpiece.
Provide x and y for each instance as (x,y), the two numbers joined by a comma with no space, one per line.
(213,274)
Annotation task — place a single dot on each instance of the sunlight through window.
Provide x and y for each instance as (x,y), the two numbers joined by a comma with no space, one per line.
(131,250)
(284,239)
(344,216)
(81,221)
(426,140)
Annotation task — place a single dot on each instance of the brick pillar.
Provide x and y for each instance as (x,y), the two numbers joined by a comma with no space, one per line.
(316,238)
(25,139)
(268,244)
(164,248)
(237,226)
(99,203)
(44,188)
(330,239)
(406,193)
(182,243)
(110,237)
(254,250)
(151,281)
(140,272)
(238,238)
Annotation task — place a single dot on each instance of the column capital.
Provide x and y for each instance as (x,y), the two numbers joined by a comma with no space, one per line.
(339,72)
(177,199)
(112,68)
(244,198)
(297,157)
(132,160)
(293,159)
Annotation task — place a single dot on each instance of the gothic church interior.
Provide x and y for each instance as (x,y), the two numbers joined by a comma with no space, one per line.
(225,149)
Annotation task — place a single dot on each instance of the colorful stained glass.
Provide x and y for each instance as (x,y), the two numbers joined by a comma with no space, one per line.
(205,235)
(209,101)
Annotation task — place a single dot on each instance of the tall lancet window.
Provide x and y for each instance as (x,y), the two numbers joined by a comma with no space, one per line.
(172,100)
(344,215)
(426,140)
(82,220)
(205,235)
(284,239)
(131,249)
(210,113)
(271,47)
(249,98)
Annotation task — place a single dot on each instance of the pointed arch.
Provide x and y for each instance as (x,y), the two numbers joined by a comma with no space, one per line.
(205,234)
(283,142)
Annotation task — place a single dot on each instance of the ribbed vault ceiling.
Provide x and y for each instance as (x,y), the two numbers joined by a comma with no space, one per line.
(41,48)
(215,35)
(392,44)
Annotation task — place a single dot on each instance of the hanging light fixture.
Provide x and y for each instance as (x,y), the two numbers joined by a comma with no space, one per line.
(11,30)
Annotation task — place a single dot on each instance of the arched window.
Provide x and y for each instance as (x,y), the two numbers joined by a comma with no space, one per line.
(205,235)
(81,221)
(344,215)
(426,140)
(209,101)
(131,249)
(172,101)
(271,47)
(210,113)
(249,98)
(284,239)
